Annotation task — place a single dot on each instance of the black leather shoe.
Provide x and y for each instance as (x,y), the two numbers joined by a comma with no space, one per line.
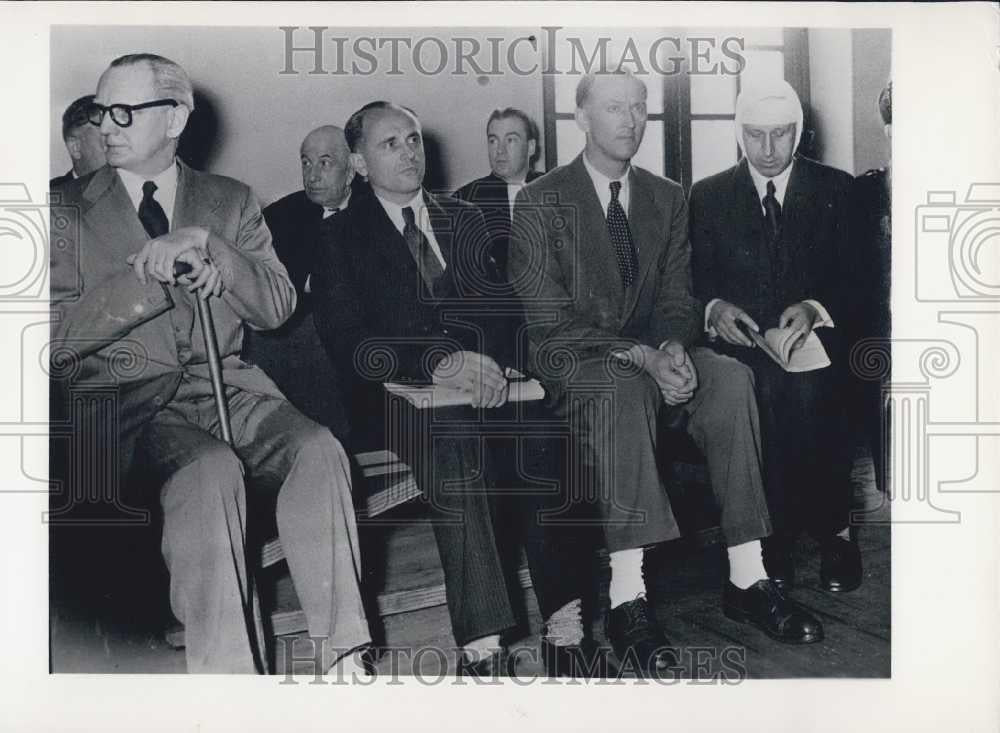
(496,665)
(765,606)
(637,639)
(585,660)
(840,565)
(779,564)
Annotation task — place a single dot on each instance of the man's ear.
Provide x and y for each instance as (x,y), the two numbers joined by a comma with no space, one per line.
(178,121)
(357,162)
(73,147)
(582,121)
(532,147)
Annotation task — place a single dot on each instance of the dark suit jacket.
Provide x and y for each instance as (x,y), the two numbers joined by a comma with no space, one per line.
(292,354)
(563,266)
(489,193)
(732,259)
(60,180)
(111,330)
(374,314)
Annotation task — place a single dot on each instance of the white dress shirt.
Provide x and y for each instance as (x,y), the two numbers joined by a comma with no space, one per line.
(166,189)
(420,215)
(603,186)
(780,186)
(512,190)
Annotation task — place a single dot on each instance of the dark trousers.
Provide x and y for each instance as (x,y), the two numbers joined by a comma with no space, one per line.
(613,418)
(478,512)
(807,456)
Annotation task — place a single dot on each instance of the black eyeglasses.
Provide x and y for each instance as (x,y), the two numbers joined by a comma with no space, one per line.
(121,114)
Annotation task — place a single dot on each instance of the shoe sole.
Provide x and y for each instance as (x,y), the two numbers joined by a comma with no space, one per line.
(745,619)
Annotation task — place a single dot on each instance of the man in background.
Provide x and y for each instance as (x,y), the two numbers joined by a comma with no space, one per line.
(292,355)
(770,248)
(83,142)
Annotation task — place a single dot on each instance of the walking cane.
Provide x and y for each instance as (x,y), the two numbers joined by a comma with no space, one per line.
(222,409)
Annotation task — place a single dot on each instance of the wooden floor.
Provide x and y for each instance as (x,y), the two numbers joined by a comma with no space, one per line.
(684,580)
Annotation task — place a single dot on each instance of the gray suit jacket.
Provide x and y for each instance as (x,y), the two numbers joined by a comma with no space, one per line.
(562,265)
(109,330)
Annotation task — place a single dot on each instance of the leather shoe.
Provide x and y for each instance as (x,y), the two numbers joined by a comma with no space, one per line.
(496,665)
(637,639)
(765,606)
(840,565)
(585,660)
(779,564)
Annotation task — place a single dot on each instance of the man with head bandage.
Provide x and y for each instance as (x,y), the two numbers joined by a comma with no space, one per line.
(769,243)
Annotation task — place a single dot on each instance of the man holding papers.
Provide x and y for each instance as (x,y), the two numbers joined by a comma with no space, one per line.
(404,291)
(769,242)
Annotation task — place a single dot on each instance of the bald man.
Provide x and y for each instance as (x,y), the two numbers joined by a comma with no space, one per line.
(295,222)
(769,242)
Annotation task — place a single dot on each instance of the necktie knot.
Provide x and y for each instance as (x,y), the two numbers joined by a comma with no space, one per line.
(408,218)
(148,189)
(616,187)
(151,214)
(770,188)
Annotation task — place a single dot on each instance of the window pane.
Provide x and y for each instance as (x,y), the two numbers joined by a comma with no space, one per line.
(713,147)
(750,36)
(713,94)
(570,141)
(763,65)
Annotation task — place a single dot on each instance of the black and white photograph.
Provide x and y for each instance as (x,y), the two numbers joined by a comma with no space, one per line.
(575,352)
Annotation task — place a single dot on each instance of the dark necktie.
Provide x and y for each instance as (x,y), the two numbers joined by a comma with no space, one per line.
(151,214)
(427,262)
(621,237)
(772,214)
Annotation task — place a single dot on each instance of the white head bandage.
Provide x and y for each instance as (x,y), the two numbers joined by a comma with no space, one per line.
(768,103)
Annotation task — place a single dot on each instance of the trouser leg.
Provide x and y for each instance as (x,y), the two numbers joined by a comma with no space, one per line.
(204,536)
(724,424)
(288,453)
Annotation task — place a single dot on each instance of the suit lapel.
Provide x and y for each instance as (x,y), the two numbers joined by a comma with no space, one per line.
(644,225)
(591,238)
(795,211)
(112,215)
(749,214)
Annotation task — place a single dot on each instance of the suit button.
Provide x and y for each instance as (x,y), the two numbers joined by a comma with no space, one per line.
(158,401)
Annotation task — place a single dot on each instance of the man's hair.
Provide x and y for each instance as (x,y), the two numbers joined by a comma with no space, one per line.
(586,82)
(885,104)
(354,130)
(508,112)
(75,115)
(170,80)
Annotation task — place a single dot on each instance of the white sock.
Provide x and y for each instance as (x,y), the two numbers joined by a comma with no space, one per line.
(626,576)
(746,565)
(845,533)
(481,648)
(565,626)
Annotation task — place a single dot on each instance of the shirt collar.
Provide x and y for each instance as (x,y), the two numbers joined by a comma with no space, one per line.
(166,187)
(603,185)
(395,211)
(331,210)
(780,182)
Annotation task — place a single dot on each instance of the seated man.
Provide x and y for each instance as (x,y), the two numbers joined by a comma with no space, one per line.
(600,256)
(83,142)
(124,320)
(770,249)
(399,288)
(292,354)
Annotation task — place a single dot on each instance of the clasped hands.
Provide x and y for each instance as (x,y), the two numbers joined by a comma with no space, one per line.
(188,244)
(670,367)
(475,373)
(726,317)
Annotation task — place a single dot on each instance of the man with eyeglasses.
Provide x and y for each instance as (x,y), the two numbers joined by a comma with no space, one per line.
(117,303)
